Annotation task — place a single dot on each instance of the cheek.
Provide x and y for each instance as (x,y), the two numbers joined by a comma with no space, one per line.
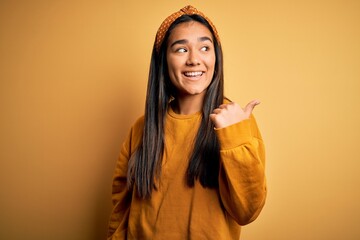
(172,75)
(211,65)
(211,62)
(170,64)
(214,61)
(173,68)
(171,72)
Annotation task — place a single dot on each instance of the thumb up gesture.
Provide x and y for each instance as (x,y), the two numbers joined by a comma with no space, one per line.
(231,113)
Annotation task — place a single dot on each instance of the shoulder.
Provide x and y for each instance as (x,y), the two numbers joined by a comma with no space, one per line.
(134,136)
(138,127)
(139,123)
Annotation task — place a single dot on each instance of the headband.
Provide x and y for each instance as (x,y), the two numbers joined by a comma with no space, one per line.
(164,27)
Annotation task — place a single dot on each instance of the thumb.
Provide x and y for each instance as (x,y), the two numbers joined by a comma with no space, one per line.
(250,106)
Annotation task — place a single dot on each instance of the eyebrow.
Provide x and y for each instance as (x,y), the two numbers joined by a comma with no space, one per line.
(184,41)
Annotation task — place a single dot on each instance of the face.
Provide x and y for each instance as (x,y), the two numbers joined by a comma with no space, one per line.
(191,58)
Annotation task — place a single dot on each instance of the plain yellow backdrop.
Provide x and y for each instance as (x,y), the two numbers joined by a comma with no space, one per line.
(73,78)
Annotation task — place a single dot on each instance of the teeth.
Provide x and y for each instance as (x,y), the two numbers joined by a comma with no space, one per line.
(192,74)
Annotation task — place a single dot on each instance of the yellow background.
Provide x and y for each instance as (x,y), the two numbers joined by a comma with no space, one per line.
(73,78)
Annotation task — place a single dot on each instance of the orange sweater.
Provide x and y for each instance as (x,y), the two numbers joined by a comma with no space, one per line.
(176,211)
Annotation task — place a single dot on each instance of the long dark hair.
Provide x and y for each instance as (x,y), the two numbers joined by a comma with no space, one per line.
(145,164)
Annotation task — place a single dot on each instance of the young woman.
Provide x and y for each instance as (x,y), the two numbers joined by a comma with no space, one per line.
(193,166)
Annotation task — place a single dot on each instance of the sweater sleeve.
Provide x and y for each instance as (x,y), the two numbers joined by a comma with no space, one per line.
(121,196)
(242,182)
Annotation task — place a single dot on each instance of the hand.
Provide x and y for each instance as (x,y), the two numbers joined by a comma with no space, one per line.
(231,113)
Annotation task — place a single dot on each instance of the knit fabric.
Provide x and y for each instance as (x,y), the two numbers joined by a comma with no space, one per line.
(164,27)
(176,211)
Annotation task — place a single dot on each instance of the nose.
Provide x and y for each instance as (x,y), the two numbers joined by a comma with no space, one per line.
(193,59)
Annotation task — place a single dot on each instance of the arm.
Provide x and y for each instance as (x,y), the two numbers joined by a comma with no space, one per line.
(121,196)
(242,183)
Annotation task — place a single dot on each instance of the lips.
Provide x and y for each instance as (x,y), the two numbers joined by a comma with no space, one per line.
(193,74)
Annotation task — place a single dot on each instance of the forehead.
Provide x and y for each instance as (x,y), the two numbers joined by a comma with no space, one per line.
(188,30)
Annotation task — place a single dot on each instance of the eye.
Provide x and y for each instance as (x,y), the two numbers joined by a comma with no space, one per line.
(205,49)
(181,50)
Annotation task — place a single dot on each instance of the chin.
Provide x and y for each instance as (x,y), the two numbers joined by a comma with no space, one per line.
(196,92)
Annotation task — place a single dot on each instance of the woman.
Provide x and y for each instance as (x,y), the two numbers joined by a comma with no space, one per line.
(193,166)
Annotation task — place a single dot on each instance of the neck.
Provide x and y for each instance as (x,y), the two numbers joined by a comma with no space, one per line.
(187,105)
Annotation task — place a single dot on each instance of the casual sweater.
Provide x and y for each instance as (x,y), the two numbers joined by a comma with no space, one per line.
(177,211)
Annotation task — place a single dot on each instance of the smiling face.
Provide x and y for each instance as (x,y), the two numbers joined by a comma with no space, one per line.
(191,59)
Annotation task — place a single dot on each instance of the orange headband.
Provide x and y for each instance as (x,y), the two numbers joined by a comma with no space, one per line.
(164,27)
